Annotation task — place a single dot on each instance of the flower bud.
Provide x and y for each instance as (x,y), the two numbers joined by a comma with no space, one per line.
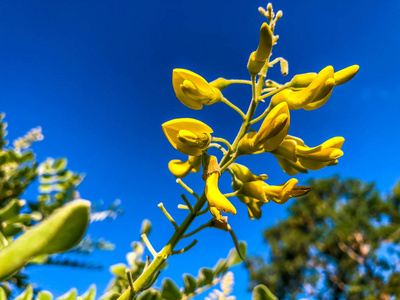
(188,136)
(259,57)
(193,90)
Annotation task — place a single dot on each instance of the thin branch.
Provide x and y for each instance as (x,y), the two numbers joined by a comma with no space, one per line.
(169,217)
(233,194)
(226,101)
(204,211)
(273,92)
(239,81)
(219,147)
(186,248)
(221,140)
(208,224)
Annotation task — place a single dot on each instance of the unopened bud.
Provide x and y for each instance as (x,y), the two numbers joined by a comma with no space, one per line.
(284,67)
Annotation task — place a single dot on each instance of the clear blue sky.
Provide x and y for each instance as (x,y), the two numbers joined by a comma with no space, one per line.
(96,75)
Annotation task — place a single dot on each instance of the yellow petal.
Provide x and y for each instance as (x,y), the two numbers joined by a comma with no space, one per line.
(181,132)
(244,174)
(287,150)
(182,168)
(346,74)
(323,95)
(215,197)
(254,189)
(289,167)
(253,206)
(302,80)
(280,193)
(179,168)
(274,128)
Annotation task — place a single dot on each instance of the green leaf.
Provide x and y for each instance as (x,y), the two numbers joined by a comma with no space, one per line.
(58,233)
(44,295)
(11,209)
(26,295)
(170,291)
(190,283)
(205,276)
(261,292)
(221,267)
(150,294)
(70,295)
(119,270)
(237,256)
(90,293)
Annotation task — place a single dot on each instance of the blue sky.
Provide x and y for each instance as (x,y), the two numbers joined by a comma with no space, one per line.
(96,75)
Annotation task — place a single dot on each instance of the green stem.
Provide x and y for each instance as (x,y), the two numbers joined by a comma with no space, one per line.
(221,140)
(223,150)
(187,248)
(231,194)
(239,81)
(163,255)
(273,92)
(227,102)
(208,224)
(269,108)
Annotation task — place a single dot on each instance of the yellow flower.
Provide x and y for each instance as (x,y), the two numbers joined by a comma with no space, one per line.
(263,192)
(188,136)
(182,168)
(193,90)
(295,157)
(215,198)
(272,132)
(316,91)
(254,192)
(259,57)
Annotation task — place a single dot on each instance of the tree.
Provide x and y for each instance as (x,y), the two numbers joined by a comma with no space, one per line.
(340,241)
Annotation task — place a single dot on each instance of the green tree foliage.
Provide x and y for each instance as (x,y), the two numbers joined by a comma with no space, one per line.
(32,230)
(340,241)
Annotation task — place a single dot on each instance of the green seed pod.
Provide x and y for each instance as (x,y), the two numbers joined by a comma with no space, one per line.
(58,233)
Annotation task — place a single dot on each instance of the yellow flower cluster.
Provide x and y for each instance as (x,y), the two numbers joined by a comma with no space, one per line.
(191,137)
